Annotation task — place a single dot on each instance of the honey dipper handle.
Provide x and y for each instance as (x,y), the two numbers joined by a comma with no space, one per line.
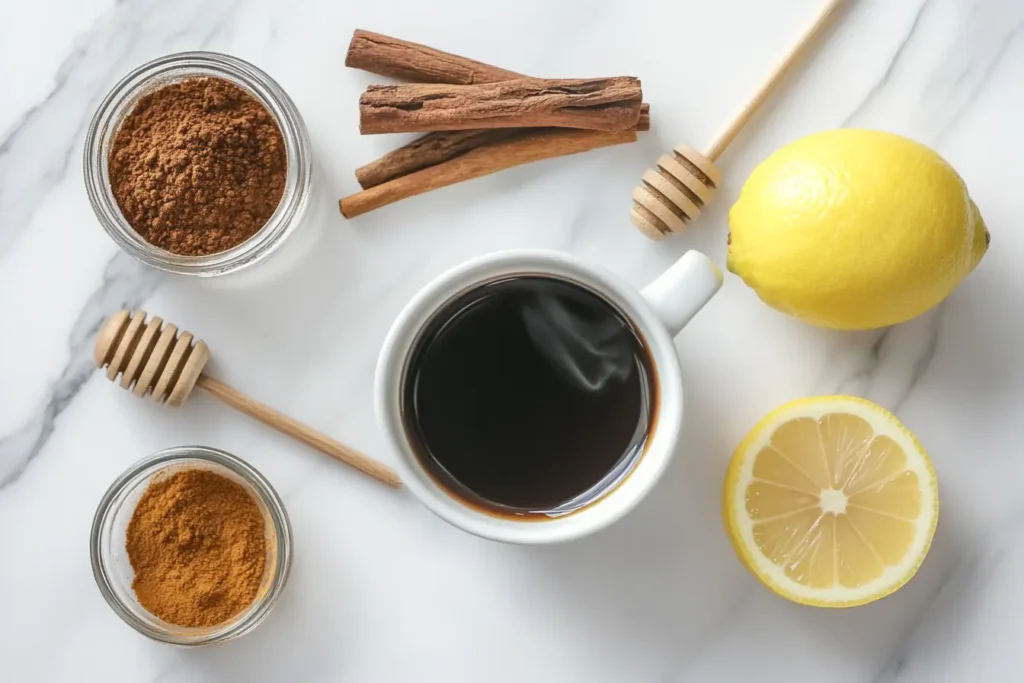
(798,50)
(298,431)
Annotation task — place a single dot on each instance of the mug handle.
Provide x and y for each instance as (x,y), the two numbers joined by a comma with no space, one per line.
(683,289)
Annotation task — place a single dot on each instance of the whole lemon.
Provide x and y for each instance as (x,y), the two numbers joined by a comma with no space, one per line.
(854,229)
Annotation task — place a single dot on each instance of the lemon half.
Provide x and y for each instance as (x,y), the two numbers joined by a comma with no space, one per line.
(831,501)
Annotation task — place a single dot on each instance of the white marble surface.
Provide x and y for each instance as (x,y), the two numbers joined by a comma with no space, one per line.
(383,591)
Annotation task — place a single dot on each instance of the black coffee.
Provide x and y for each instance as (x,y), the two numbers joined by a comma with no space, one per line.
(523,395)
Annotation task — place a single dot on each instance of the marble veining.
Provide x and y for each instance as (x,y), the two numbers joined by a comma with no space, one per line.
(383,591)
(126,284)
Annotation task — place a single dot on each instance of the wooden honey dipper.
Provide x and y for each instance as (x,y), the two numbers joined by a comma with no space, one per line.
(158,359)
(684,182)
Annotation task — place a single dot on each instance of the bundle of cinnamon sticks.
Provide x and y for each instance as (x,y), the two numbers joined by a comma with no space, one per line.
(478,118)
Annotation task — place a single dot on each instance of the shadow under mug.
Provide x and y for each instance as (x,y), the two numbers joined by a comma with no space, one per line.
(658,313)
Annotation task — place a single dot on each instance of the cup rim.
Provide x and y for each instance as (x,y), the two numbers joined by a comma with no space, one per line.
(607,509)
(258,610)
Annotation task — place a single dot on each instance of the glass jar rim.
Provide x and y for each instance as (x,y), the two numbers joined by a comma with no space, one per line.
(175,67)
(261,606)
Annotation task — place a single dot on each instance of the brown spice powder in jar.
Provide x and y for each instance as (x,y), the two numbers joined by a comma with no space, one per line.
(197,543)
(198,166)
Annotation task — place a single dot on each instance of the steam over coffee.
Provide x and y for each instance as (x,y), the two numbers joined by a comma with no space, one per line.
(528,395)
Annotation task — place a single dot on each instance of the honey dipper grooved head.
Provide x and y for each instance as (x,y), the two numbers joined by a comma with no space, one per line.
(156,358)
(674,193)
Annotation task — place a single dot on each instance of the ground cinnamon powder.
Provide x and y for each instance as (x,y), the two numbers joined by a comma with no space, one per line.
(198,166)
(196,542)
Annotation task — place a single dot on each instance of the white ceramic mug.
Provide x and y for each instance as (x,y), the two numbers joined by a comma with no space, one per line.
(658,314)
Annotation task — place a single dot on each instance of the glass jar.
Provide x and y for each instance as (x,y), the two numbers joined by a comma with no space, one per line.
(113,571)
(156,74)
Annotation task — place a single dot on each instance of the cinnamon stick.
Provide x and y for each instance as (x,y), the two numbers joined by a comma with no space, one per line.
(609,104)
(406,61)
(428,150)
(435,148)
(524,147)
